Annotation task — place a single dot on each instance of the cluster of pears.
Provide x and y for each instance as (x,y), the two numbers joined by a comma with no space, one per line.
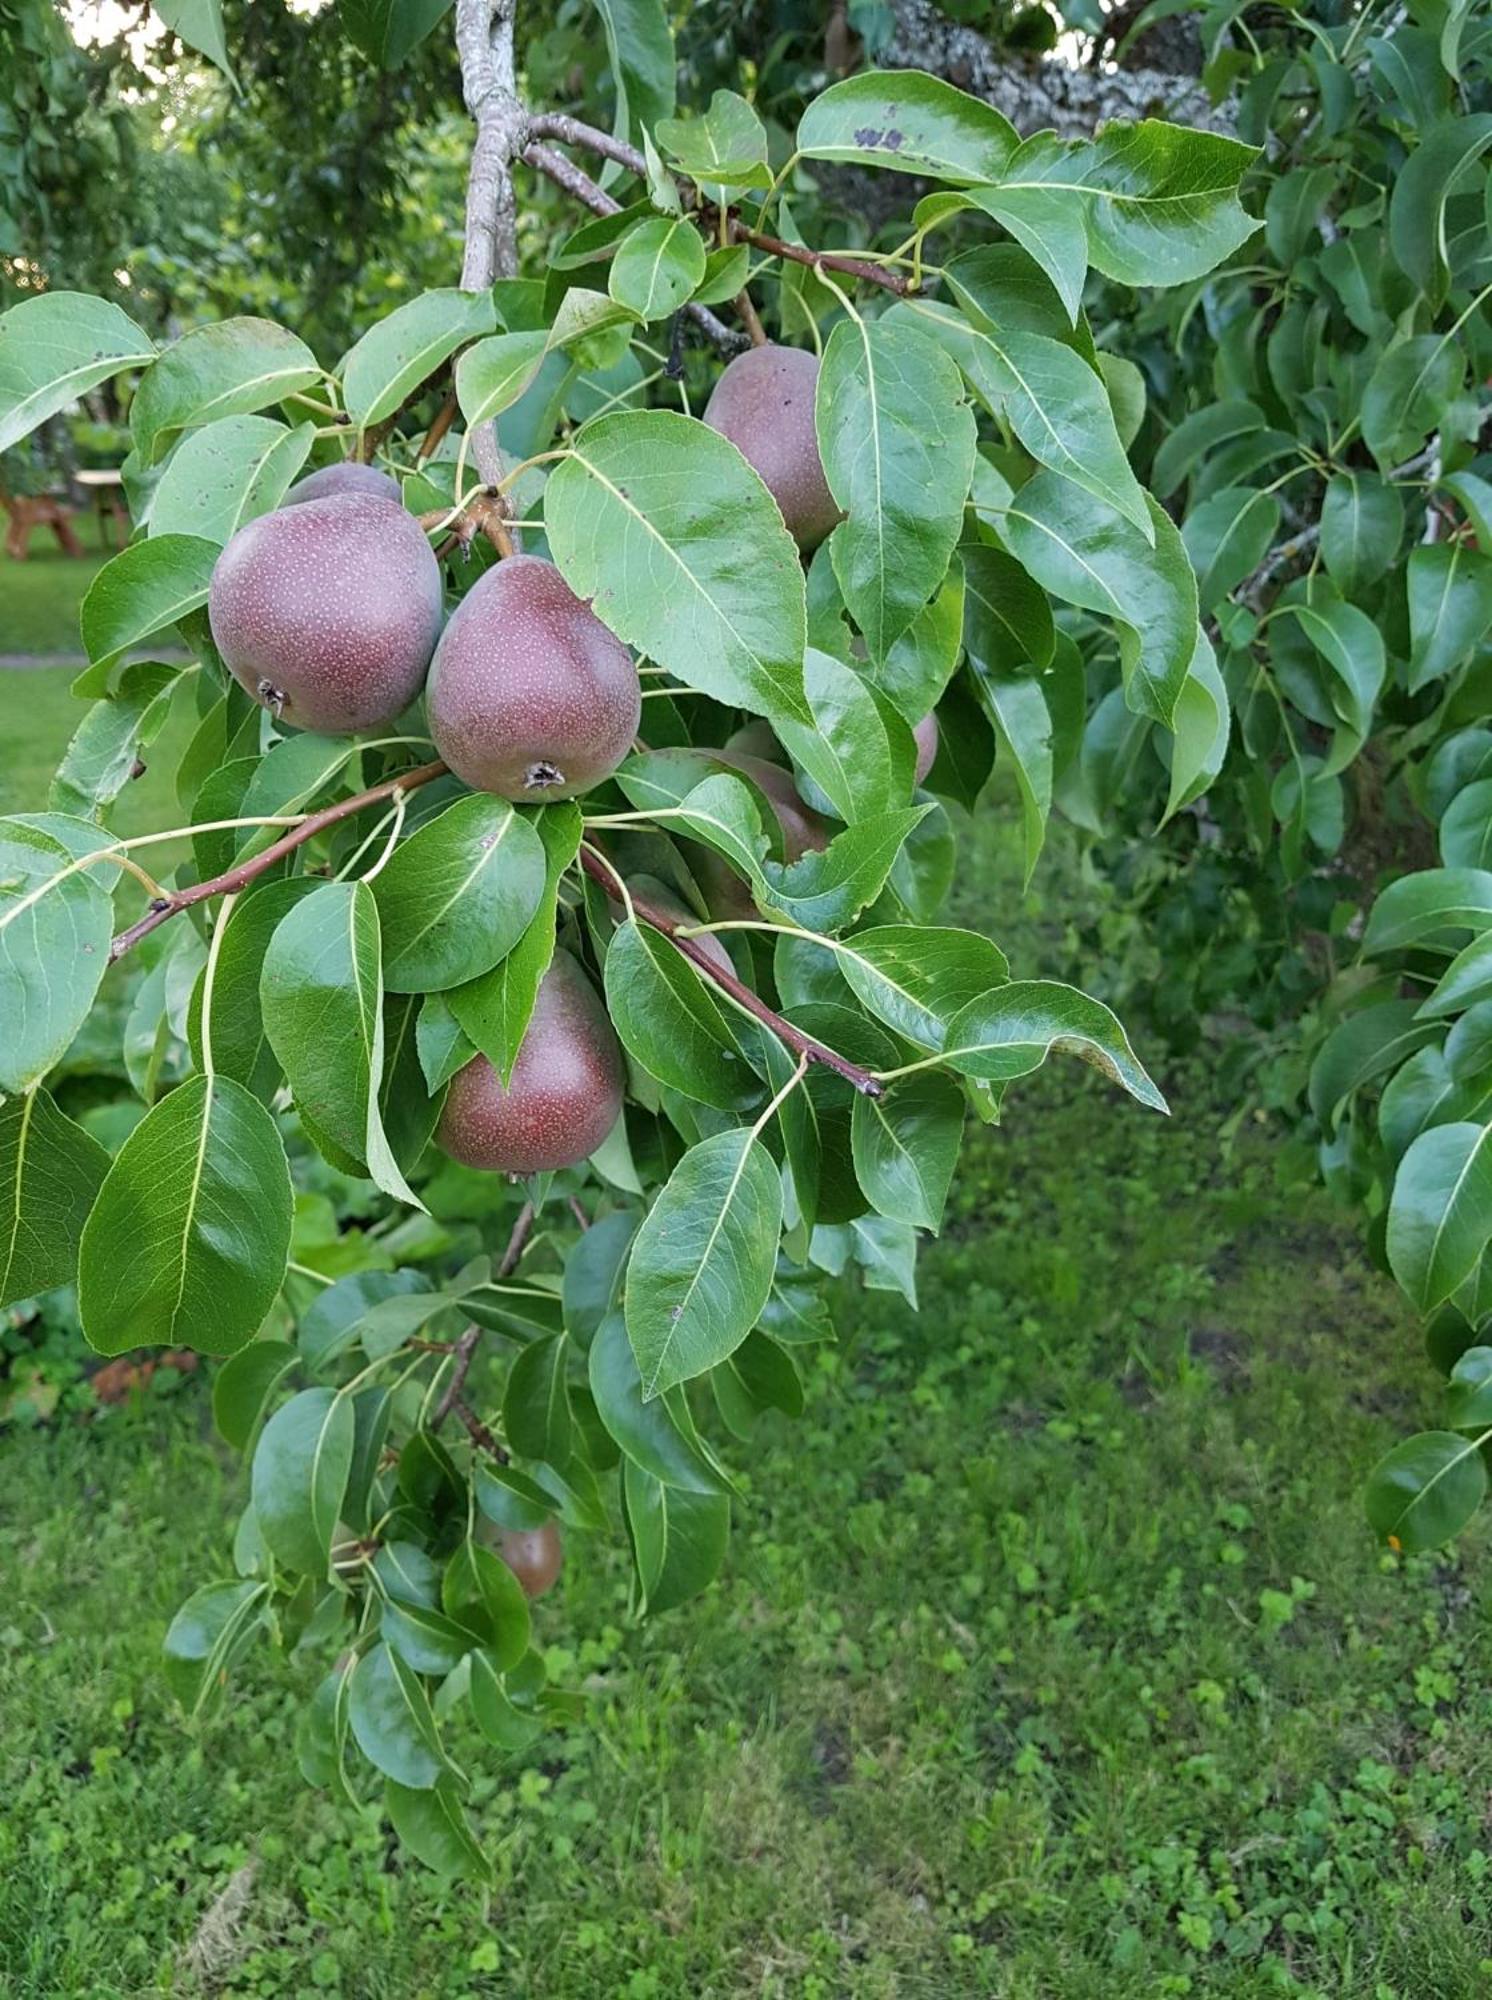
(329,611)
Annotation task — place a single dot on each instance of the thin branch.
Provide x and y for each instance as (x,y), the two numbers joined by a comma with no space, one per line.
(828,260)
(446,416)
(466,1346)
(478,1432)
(749,318)
(575,132)
(580,187)
(232,880)
(696,951)
(482,512)
(575,181)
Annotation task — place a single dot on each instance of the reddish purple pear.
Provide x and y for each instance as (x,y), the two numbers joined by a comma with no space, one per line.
(530,696)
(803,830)
(563,1097)
(348,477)
(764,404)
(534,1555)
(328,612)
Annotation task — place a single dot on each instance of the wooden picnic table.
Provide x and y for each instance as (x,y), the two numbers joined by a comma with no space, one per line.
(106,484)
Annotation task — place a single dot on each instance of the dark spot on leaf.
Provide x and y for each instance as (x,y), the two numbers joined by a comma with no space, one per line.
(868,135)
(894,140)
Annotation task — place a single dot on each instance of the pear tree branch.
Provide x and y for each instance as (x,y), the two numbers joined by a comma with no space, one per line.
(162,908)
(1254,586)
(695,950)
(580,187)
(575,132)
(484,43)
(171,903)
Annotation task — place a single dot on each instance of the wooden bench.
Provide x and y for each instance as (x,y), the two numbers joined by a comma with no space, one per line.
(29,512)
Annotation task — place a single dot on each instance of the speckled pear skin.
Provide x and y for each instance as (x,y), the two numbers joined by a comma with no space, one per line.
(925,735)
(764,404)
(348,477)
(565,1093)
(530,696)
(328,612)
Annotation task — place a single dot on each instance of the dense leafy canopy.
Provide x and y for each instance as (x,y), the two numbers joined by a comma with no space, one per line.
(1187,589)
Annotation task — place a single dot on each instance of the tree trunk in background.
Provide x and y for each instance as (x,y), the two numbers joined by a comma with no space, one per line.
(1040,92)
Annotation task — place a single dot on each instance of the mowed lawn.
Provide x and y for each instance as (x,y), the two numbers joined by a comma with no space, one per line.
(39,602)
(39,598)
(1053,1659)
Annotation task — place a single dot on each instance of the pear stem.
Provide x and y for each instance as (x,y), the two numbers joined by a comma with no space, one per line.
(232,880)
(601,870)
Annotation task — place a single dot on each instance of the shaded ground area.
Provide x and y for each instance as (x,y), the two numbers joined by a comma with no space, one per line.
(1053,1659)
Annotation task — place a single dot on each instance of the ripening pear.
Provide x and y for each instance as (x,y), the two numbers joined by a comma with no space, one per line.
(530,696)
(925,735)
(803,831)
(348,477)
(328,612)
(764,404)
(534,1555)
(563,1097)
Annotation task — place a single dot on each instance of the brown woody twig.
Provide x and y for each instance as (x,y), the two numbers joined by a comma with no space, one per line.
(575,132)
(828,260)
(163,908)
(478,1432)
(600,870)
(579,185)
(749,318)
(446,416)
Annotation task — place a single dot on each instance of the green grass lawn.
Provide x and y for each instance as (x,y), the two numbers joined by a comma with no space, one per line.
(39,598)
(1053,1659)
(39,602)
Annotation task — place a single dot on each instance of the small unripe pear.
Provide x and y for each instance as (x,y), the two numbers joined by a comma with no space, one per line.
(764,404)
(563,1097)
(757,738)
(328,612)
(530,696)
(534,1555)
(802,829)
(925,735)
(348,477)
